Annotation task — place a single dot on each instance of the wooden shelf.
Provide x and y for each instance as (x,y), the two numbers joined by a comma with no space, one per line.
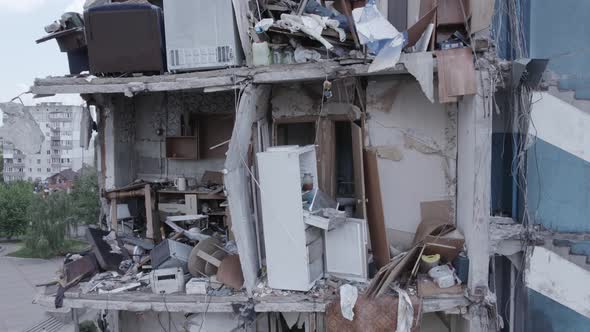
(182,148)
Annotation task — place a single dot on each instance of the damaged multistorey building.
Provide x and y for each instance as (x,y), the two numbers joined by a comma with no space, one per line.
(301,165)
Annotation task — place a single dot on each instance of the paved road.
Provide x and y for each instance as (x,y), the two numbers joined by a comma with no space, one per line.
(18,277)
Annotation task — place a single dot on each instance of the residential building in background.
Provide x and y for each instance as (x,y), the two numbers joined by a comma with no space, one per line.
(60,151)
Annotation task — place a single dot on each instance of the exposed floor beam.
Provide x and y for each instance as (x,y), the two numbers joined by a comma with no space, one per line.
(204,79)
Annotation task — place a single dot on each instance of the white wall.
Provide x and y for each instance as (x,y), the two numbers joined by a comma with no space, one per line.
(416,141)
(147,321)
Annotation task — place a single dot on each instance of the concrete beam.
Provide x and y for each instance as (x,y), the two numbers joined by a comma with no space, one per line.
(201,303)
(205,79)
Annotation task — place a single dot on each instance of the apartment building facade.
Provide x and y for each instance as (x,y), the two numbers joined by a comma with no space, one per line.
(60,150)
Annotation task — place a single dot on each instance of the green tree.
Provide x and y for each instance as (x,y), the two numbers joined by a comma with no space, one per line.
(1,166)
(15,199)
(49,219)
(85,197)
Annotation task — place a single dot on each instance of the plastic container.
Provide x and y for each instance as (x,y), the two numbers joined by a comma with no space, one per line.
(288,57)
(443,276)
(261,54)
(276,56)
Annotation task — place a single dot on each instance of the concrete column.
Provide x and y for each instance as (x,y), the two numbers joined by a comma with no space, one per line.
(473,196)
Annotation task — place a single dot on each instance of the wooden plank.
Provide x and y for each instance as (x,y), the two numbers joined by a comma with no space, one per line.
(481,14)
(114,223)
(153,227)
(326,156)
(359,171)
(456,74)
(375,216)
(425,7)
(450,12)
(444,80)
(416,30)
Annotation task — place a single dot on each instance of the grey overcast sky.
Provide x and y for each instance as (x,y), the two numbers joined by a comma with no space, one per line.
(21,59)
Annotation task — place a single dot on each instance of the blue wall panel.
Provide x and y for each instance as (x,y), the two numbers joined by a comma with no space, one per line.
(558,188)
(550,316)
(560,30)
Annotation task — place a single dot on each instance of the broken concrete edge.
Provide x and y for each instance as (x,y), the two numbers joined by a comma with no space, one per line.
(204,303)
(217,78)
(20,128)
(237,179)
(507,237)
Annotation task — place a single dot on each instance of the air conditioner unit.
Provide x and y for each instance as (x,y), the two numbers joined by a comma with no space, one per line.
(201,34)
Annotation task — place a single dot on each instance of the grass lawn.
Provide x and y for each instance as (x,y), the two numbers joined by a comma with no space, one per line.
(71,246)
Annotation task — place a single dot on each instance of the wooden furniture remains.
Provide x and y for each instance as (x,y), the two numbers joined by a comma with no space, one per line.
(145,191)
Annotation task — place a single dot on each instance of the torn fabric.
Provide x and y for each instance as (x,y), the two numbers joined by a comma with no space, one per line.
(21,129)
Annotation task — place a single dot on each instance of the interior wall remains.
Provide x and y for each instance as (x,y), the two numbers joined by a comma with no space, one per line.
(416,144)
(142,123)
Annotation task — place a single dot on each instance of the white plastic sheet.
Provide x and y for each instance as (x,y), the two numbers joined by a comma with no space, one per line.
(371,26)
(405,311)
(348,297)
(263,25)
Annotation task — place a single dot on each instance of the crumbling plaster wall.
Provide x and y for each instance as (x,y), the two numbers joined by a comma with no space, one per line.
(305,99)
(416,142)
(151,321)
(20,128)
(163,111)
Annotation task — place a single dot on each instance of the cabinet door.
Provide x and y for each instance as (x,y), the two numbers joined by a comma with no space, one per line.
(282,219)
(192,206)
(346,250)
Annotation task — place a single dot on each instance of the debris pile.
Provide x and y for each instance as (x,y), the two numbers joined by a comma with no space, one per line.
(280,32)
(189,253)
